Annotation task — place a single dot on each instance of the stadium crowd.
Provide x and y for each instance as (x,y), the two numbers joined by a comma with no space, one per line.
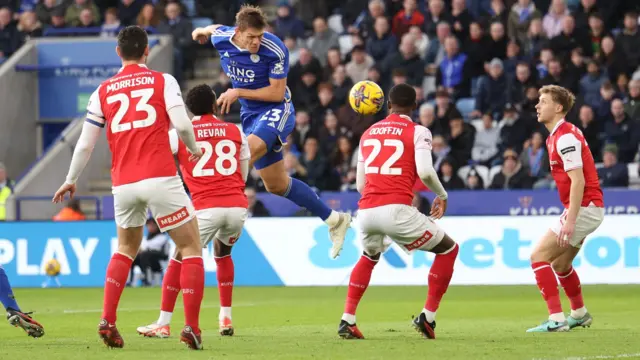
(476,66)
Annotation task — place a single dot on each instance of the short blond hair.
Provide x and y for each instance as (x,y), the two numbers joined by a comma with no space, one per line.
(251,16)
(559,95)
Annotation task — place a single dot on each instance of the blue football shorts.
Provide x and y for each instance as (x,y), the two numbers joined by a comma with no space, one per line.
(272,125)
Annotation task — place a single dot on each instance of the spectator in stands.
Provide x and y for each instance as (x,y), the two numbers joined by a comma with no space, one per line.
(71,212)
(512,175)
(407,59)
(421,41)
(460,19)
(341,84)
(153,249)
(427,117)
(351,11)
(475,47)
(497,44)
(148,17)
(591,131)
(180,29)
(382,43)
(461,139)
(622,86)
(359,65)
(514,57)
(327,103)
(334,59)
(9,35)
(45,8)
(623,132)
(586,9)
(343,161)
(440,150)
(632,106)
(57,20)
(474,181)
(128,11)
(485,145)
(613,173)
(597,31)
(72,15)
(312,165)
(629,39)
(492,91)
(520,17)
(613,58)
(287,23)
(111,23)
(454,71)
(445,110)
(306,62)
(518,84)
(591,83)
(329,132)
(293,45)
(409,16)
(302,129)
(556,76)
(435,50)
(307,90)
(535,39)
(569,39)
(87,21)
(375,10)
(450,180)
(322,40)
(436,14)
(256,207)
(534,157)
(513,130)
(6,189)
(29,26)
(552,21)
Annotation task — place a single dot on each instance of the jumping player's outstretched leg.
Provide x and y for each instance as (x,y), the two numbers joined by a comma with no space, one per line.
(268,161)
(170,290)
(14,315)
(439,278)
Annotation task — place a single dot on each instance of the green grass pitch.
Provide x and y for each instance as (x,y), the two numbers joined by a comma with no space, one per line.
(474,322)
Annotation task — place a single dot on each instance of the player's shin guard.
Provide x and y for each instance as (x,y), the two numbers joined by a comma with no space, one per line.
(225,275)
(301,194)
(548,286)
(570,282)
(6,294)
(439,278)
(358,283)
(117,273)
(170,291)
(192,284)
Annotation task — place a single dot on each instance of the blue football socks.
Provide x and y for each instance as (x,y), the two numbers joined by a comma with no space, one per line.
(6,294)
(301,194)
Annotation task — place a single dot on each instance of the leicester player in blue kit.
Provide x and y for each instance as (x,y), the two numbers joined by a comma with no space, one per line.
(14,315)
(257,62)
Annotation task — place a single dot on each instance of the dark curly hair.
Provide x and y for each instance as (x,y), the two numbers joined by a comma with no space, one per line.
(201,100)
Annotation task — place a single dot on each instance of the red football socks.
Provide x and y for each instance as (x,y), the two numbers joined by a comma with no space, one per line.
(192,284)
(117,274)
(439,278)
(171,286)
(358,283)
(571,284)
(548,286)
(225,276)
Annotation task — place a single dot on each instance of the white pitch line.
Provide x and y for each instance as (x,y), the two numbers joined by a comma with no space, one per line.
(598,357)
(90,311)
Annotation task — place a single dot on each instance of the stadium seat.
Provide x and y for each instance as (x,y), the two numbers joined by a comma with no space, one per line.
(335,23)
(201,22)
(191,7)
(493,172)
(634,177)
(465,106)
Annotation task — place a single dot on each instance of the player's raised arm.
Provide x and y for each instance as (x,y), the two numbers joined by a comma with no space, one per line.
(178,114)
(202,35)
(84,147)
(570,150)
(426,171)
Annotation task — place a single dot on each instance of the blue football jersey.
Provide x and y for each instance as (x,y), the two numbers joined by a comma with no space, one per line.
(252,71)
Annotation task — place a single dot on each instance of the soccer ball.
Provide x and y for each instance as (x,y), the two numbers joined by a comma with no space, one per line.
(366,98)
(52,268)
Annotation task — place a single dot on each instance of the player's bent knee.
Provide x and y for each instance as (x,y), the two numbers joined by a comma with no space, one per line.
(373,254)
(561,266)
(275,178)
(220,249)
(257,147)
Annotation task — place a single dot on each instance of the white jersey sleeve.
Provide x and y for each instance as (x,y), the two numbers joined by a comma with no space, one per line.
(94,109)
(174,141)
(570,150)
(424,162)
(172,93)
